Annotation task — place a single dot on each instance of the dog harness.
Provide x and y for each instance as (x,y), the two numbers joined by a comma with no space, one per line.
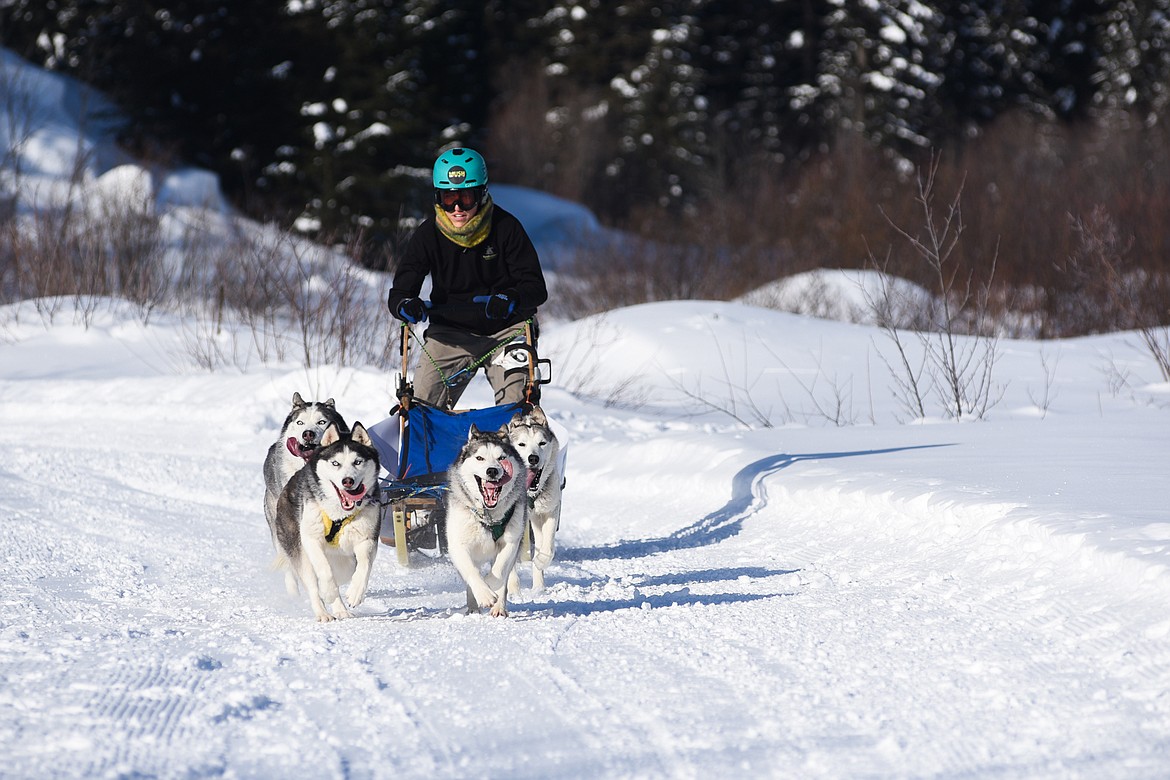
(497,529)
(333,527)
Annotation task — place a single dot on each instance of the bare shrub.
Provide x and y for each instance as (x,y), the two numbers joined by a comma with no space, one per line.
(1020,177)
(960,351)
(114,251)
(581,373)
(295,300)
(1157,342)
(1105,290)
(1043,399)
(127,243)
(606,274)
(266,296)
(1095,290)
(734,396)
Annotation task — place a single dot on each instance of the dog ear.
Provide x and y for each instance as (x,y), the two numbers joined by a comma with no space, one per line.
(329,402)
(359,435)
(538,417)
(298,402)
(471,434)
(331,435)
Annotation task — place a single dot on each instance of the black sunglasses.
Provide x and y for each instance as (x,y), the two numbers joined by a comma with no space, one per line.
(465,199)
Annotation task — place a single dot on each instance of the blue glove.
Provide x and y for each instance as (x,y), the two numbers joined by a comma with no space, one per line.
(496,307)
(411,310)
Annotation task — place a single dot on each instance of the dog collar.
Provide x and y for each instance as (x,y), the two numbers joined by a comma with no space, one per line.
(333,527)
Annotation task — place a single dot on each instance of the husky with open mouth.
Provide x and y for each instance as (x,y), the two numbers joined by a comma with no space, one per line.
(299,438)
(533,437)
(327,521)
(486,511)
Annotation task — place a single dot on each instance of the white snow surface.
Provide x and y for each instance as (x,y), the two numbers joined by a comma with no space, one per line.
(844,295)
(984,599)
(763,568)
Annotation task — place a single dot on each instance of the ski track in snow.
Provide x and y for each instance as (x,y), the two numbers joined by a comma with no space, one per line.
(753,629)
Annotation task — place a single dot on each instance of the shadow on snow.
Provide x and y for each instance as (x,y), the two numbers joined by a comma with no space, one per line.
(747,498)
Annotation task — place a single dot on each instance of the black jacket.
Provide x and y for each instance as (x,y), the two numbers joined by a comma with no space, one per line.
(504,262)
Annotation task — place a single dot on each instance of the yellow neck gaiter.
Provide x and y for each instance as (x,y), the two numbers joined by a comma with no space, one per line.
(471,234)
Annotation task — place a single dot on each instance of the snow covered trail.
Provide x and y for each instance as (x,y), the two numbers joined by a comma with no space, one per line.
(753,629)
(920,637)
(813,603)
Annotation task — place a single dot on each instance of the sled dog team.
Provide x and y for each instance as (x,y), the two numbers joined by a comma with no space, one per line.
(323,507)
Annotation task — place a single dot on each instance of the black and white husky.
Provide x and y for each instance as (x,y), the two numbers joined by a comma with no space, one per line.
(327,521)
(533,437)
(485,511)
(299,438)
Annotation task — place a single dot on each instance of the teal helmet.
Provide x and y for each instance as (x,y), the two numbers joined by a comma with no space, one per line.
(460,168)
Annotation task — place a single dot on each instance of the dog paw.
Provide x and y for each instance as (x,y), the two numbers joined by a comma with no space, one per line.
(324,617)
(355,596)
(499,609)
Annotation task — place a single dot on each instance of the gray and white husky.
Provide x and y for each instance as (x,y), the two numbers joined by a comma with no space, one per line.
(327,521)
(485,509)
(299,438)
(533,437)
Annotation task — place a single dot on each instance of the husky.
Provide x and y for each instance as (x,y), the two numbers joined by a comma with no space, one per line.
(299,438)
(485,511)
(328,518)
(534,439)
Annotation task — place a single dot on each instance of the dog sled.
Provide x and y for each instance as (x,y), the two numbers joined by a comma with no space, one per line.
(418,442)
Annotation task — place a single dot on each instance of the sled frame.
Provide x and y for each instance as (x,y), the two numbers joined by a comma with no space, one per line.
(409,491)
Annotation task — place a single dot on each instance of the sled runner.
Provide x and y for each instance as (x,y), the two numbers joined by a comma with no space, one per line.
(429,440)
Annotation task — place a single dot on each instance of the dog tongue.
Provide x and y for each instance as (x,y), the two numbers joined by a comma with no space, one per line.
(491,493)
(349,498)
(532,475)
(294,446)
(491,490)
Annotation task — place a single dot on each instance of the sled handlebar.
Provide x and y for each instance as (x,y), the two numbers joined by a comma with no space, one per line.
(475,305)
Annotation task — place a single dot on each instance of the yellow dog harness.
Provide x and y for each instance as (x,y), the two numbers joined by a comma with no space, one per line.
(333,527)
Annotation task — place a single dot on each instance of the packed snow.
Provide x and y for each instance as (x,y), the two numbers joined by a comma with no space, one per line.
(765,567)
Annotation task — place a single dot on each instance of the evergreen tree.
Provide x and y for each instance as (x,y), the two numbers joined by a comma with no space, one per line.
(1066,60)
(331,111)
(760,61)
(405,80)
(188,73)
(1135,64)
(979,57)
(653,104)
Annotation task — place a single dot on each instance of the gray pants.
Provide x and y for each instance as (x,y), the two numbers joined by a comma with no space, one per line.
(449,351)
